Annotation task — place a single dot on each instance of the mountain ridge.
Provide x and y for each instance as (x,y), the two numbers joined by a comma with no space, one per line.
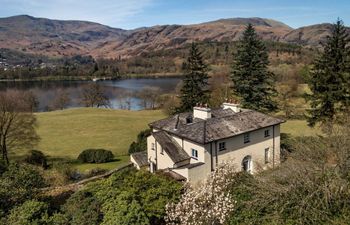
(71,37)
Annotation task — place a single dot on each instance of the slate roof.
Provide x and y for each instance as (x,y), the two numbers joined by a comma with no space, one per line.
(140,158)
(171,147)
(224,123)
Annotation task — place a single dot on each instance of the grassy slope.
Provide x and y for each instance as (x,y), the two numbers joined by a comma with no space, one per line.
(64,134)
(299,128)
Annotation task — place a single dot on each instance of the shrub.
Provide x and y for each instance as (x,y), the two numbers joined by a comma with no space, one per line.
(95,156)
(19,183)
(3,167)
(36,158)
(31,212)
(83,208)
(67,172)
(141,143)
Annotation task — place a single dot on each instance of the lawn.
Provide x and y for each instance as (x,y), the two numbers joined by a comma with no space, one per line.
(299,128)
(65,133)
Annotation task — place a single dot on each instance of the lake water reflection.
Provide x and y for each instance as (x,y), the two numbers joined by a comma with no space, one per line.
(119,91)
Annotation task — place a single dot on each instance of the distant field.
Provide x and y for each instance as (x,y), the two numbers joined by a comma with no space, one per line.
(66,133)
(299,128)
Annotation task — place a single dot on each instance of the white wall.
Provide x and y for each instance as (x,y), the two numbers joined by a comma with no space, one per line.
(236,149)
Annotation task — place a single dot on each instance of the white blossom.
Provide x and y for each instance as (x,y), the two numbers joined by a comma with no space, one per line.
(208,203)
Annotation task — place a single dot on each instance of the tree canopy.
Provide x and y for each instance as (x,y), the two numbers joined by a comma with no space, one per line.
(329,80)
(195,83)
(253,82)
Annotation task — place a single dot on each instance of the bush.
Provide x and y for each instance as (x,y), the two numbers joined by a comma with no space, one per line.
(19,183)
(95,156)
(141,143)
(67,172)
(83,208)
(36,158)
(31,212)
(3,167)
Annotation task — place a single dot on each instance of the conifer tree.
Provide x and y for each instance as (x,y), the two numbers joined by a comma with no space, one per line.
(252,81)
(329,80)
(195,82)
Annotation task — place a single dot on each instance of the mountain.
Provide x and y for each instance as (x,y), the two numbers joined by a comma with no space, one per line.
(55,37)
(66,38)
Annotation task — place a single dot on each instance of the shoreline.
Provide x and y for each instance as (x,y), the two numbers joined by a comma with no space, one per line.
(128,76)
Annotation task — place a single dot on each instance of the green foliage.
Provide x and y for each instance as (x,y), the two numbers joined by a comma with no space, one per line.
(57,219)
(310,187)
(195,83)
(3,167)
(329,80)
(252,81)
(19,183)
(127,197)
(30,212)
(82,208)
(37,158)
(95,156)
(141,143)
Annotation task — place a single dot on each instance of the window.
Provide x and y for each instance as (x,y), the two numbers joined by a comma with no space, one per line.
(267,155)
(153,146)
(222,146)
(194,154)
(267,133)
(247,164)
(189,119)
(246,138)
(161,150)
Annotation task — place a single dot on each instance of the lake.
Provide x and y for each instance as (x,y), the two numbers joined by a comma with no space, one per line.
(119,91)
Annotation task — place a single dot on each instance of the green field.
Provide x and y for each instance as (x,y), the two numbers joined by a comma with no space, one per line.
(64,134)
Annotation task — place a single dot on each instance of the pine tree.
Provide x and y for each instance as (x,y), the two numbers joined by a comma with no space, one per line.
(252,81)
(329,79)
(195,82)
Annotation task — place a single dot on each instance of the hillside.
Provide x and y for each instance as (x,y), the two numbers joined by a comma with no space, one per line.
(66,38)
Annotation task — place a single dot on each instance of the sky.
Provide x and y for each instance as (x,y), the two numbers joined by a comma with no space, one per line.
(130,14)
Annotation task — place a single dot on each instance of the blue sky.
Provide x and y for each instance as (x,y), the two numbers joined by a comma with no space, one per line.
(129,14)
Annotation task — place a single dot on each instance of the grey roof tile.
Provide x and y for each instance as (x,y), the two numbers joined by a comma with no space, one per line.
(224,124)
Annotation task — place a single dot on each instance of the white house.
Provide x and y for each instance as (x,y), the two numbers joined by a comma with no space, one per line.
(190,145)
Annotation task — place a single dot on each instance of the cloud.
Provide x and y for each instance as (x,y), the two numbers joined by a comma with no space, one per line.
(110,12)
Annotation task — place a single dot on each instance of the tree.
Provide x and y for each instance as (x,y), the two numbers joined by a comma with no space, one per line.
(31,212)
(20,182)
(329,80)
(61,100)
(17,124)
(252,82)
(209,203)
(141,142)
(93,95)
(195,82)
(83,208)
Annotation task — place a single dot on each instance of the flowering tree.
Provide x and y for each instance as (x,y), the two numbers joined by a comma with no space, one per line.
(208,203)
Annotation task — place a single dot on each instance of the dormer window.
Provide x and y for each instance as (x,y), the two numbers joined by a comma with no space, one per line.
(189,119)
(153,146)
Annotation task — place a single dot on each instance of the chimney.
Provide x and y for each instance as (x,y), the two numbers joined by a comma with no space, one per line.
(234,106)
(202,112)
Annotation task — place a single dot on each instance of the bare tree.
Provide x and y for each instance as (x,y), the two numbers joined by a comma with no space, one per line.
(94,95)
(17,123)
(149,97)
(31,100)
(61,100)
